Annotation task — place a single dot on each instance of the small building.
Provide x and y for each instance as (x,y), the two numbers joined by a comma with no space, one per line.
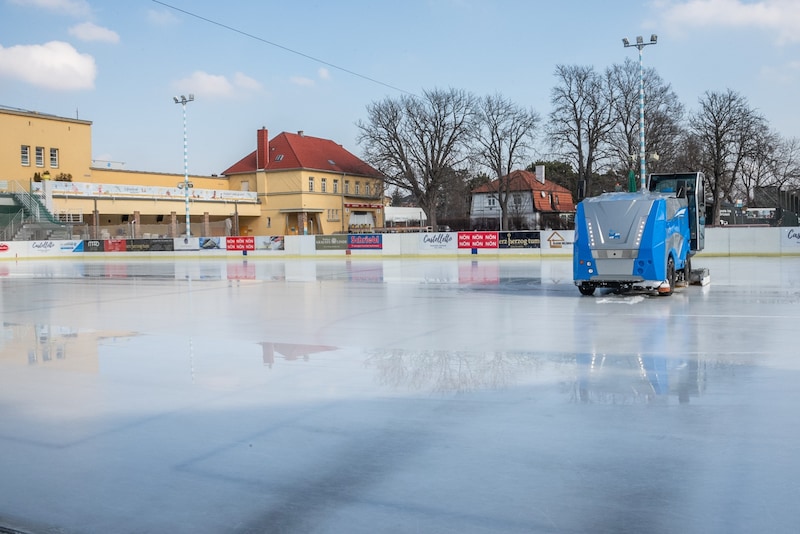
(533,203)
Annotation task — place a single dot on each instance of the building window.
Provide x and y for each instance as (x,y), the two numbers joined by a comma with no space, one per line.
(54,158)
(358,188)
(334,215)
(491,202)
(335,186)
(40,156)
(347,187)
(324,185)
(367,190)
(25,155)
(517,199)
(311,184)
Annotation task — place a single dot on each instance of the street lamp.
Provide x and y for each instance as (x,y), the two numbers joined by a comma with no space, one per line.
(186,184)
(640,44)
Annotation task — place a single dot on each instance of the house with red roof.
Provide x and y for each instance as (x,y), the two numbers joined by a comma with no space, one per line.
(533,203)
(308,185)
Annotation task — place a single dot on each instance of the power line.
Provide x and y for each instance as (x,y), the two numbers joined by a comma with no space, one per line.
(287,49)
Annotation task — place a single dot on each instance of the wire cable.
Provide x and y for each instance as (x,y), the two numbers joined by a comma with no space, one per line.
(285,48)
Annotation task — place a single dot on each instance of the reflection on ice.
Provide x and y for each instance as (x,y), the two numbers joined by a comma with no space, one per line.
(451,371)
(364,396)
(627,378)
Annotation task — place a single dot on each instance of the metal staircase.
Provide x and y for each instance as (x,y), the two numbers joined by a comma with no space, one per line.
(34,221)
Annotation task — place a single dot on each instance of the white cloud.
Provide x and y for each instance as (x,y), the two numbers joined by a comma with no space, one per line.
(324,74)
(215,85)
(76,8)
(246,82)
(302,81)
(779,17)
(161,17)
(88,31)
(203,83)
(54,65)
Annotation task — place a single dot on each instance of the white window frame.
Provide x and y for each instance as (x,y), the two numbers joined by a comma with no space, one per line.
(40,156)
(53,158)
(323,187)
(25,155)
(310,184)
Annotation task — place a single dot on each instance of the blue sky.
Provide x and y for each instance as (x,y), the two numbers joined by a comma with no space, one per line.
(316,65)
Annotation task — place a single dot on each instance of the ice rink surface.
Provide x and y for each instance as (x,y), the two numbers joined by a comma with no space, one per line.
(430,396)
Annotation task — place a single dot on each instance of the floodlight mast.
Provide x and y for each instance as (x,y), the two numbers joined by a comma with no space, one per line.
(185,185)
(640,44)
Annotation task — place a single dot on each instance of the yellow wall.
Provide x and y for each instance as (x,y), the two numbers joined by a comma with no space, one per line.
(72,138)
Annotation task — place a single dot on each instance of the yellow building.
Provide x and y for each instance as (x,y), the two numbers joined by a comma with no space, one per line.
(309,185)
(292,185)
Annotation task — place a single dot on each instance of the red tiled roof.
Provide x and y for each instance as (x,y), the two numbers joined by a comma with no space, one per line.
(299,151)
(526,181)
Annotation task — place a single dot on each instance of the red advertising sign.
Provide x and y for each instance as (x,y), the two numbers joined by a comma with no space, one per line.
(477,240)
(116,245)
(240,243)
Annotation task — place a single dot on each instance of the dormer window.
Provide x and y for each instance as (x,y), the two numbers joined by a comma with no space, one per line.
(279,157)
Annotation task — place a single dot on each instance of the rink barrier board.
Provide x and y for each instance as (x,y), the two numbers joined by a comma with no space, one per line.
(719,241)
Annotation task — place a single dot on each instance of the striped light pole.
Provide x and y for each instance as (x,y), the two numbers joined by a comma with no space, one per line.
(640,44)
(186,184)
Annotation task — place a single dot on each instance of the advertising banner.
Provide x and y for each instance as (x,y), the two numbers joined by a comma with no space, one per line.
(520,240)
(115,245)
(270,242)
(330,242)
(185,243)
(44,248)
(790,240)
(240,243)
(558,240)
(437,241)
(477,239)
(149,245)
(365,241)
(210,243)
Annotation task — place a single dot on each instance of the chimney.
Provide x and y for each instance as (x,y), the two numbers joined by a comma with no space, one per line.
(540,174)
(262,149)
(301,133)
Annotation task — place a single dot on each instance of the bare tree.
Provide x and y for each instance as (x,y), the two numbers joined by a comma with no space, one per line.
(757,166)
(503,136)
(418,142)
(727,128)
(581,118)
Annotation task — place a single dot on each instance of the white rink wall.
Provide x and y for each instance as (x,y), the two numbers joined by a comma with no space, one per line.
(720,241)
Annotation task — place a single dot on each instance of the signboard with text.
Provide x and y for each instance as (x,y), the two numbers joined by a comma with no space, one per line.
(240,243)
(330,242)
(520,240)
(477,239)
(365,241)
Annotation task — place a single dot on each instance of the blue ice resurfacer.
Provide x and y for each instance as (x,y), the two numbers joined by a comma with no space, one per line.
(642,240)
